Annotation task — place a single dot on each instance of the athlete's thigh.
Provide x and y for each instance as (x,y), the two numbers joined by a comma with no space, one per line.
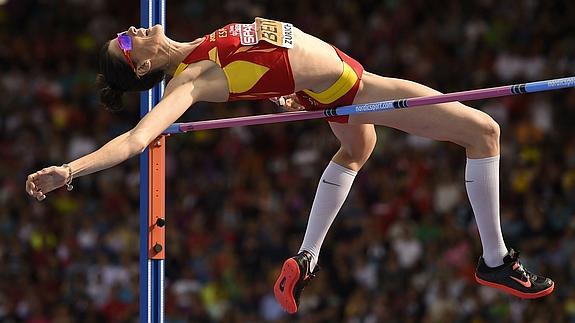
(447,121)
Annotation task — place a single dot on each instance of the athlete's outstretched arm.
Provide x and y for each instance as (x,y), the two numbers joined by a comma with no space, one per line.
(131,143)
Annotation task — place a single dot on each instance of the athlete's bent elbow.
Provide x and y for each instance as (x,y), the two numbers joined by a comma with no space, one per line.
(137,144)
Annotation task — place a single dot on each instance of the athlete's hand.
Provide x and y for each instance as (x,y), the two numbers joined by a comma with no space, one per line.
(288,102)
(46,180)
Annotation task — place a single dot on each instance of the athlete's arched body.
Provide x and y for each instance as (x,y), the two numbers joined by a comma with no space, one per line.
(268,59)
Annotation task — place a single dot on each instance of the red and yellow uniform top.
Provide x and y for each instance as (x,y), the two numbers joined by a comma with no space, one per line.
(254,69)
(255,61)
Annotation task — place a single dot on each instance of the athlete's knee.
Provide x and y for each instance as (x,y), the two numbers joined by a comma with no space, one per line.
(359,150)
(487,133)
(489,128)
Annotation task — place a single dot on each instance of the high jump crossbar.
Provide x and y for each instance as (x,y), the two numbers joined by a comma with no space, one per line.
(486,93)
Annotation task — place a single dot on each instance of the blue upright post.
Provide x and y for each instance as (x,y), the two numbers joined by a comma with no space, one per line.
(152,12)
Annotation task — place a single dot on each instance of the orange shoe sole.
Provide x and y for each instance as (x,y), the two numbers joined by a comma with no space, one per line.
(514,292)
(283,288)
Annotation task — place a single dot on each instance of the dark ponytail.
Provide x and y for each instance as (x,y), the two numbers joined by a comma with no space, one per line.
(118,77)
(111,98)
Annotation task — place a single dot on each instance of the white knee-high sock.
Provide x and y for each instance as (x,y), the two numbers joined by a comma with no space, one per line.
(333,188)
(482,183)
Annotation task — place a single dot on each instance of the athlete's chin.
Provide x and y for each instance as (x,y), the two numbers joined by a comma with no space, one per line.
(157,30)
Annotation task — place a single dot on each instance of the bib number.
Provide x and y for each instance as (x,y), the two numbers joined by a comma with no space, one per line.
(274,32)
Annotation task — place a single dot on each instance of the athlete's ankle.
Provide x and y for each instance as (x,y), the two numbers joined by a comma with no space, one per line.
(312,259)
(493,262)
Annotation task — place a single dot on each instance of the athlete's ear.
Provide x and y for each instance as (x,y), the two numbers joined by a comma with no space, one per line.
(144,67)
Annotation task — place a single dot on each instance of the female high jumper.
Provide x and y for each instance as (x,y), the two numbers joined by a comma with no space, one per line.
(271,59)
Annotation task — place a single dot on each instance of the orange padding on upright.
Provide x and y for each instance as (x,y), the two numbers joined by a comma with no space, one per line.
(157,205)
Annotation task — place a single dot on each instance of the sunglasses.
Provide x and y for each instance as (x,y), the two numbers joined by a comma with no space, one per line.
(125,44)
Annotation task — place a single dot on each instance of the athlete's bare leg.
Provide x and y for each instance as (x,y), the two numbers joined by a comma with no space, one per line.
(476,131)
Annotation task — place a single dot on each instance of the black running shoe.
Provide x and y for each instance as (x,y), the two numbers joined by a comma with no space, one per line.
(512,278)
(295,275)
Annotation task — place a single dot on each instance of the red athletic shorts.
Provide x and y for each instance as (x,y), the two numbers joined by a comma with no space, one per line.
(341,93)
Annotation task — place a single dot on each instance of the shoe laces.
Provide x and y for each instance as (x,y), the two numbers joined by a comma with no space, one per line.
(518,267)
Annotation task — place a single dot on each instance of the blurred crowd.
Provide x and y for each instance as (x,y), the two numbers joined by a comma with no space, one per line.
(404,246)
